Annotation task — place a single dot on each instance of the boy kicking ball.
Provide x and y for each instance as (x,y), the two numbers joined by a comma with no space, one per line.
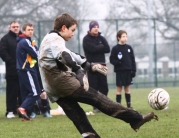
(63,76)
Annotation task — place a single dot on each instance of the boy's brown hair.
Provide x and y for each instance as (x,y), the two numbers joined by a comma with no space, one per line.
(64,19)
(119,34)
(25,26)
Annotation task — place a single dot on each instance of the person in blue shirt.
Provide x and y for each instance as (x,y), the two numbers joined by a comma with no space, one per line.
(29,77)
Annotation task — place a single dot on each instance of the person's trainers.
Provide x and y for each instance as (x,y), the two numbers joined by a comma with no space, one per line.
(23,113)
(32,115)
(10,115)
(24,119)
(47,114)
(146,118)
(96,110)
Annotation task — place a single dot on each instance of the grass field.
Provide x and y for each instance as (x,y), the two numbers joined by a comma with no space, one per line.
(107,127)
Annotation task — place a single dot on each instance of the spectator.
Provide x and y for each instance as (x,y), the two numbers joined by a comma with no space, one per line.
(27,66)
(64,80)
(95,46)
(122,57)
(8,54)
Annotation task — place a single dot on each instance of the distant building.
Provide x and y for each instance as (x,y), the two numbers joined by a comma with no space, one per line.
(165,67)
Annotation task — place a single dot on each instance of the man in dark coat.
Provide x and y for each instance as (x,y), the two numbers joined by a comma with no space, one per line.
(8,54)
(95,46)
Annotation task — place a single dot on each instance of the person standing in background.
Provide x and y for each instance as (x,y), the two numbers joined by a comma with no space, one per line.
(95,46)
(31,88)
(8,54)
(122,57)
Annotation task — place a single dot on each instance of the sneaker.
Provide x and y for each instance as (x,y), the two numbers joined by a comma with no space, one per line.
(46,114)
(89,135)
(24,119)
(23,113)
(131,108)
(96,110)
(146,118)
(32,115)
(10,115)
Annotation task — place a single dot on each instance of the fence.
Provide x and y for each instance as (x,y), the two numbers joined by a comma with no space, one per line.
(155,48)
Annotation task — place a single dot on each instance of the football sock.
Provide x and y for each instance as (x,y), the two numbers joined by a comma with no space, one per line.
(118,98)
(89,135)
(44,104)
(128,99)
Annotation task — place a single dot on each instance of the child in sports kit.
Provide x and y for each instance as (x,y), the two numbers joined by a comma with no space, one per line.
(63,77)
(28,72)
(122,57)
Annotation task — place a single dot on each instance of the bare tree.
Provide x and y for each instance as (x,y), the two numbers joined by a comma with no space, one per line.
(169,17)
(34,11)
(166,13)
(166,20)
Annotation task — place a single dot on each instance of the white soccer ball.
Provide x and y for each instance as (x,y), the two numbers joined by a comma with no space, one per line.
(159,99)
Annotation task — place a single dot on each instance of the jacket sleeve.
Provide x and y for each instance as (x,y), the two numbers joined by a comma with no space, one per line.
(92,47)
(113,58)
(65,56)
(133,60)
(106,48)
(68,60)
(78,58)
(4,51)
(31,50)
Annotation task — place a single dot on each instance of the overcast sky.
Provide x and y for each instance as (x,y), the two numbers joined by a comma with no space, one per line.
(98,9)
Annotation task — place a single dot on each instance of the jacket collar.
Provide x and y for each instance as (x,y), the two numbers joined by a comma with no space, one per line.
(12,33)
(24,36)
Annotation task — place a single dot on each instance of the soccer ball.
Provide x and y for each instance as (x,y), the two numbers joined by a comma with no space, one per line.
(158,99)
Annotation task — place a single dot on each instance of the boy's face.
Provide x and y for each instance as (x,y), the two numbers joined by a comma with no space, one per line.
(95,30)
(29,31)
(68,33)
(123,38)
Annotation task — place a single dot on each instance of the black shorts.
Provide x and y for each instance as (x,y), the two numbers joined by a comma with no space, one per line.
(123,78)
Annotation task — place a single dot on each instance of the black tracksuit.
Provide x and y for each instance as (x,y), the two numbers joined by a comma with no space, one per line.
(95,48)
(8,54)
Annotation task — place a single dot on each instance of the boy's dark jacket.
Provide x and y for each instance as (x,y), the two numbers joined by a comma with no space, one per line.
(127,62)
(24,47)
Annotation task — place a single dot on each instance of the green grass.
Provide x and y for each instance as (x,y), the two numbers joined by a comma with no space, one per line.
(107,127)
